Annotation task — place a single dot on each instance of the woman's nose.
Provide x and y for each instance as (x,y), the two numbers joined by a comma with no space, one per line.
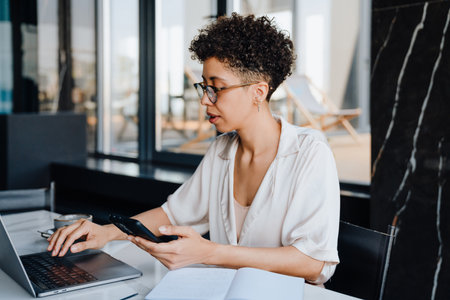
(204,100)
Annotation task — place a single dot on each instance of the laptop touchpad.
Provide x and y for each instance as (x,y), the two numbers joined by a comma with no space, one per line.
(100,265)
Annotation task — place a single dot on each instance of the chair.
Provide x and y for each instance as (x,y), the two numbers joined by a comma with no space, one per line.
(12,201)
(364,256)
(195,76)
(320,113)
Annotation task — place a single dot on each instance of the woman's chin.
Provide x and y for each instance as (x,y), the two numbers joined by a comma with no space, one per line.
(222,129)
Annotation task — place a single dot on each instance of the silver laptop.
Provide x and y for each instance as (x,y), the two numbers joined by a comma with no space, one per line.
(43,275)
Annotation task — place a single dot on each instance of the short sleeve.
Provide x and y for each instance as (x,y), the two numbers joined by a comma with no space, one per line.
(312,219)
(188,206)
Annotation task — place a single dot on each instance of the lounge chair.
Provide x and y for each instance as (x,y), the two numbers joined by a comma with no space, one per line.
(319,112)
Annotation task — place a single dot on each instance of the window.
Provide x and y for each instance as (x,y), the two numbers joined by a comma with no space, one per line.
(162,119)
(84,63)
(181,126)
(6,71)
(118,84)
(332,42)
(48,73)
(67,59)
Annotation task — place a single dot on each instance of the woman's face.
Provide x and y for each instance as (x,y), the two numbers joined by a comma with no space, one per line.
(234,107)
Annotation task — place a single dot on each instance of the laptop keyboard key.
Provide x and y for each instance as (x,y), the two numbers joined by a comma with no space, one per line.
(54,272)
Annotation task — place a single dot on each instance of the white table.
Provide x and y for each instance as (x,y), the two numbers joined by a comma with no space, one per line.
(23,231)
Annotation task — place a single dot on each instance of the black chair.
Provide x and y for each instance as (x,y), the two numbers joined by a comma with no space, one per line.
(13,201)
(364,261)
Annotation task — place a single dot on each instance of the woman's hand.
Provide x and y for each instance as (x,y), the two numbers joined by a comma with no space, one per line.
(189,248)
(96,237)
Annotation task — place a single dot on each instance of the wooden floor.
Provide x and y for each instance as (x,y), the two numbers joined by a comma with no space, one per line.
(352,158)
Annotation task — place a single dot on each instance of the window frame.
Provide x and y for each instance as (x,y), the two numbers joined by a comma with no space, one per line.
(147,95)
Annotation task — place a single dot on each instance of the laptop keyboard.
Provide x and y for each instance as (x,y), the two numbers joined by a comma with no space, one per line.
(54,272)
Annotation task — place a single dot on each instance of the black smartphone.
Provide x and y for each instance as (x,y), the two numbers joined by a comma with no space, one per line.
(136,228)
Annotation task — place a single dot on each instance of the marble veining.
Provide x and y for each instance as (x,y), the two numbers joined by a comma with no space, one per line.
(438,221)
(410,188)
(402,209)
(397,92)
(386,40)
(412,160)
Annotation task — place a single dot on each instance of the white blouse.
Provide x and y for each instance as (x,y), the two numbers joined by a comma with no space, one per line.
(296,204)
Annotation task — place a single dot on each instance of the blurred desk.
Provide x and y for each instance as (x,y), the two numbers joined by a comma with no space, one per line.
(23,228)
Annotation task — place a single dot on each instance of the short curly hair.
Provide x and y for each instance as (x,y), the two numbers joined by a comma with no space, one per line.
(251,47)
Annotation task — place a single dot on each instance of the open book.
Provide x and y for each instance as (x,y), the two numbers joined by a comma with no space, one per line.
(226,284)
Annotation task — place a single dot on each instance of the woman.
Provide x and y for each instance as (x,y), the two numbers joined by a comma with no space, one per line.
(266,191)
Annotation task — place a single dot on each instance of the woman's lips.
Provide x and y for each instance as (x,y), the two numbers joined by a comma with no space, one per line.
(213,118)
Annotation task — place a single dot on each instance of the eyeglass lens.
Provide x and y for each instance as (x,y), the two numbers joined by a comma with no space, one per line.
(209,92)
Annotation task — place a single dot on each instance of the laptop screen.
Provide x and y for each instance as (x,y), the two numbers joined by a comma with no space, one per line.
(10,262)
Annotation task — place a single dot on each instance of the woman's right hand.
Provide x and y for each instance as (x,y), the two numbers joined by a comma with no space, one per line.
(96,237)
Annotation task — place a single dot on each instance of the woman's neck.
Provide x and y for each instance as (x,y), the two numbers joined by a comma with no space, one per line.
(261,134)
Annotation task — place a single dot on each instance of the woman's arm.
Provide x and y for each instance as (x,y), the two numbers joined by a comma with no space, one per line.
(191,248)
(153,219)
(284,260)
(97,236)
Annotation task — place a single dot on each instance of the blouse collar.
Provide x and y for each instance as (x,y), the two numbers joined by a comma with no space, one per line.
(289,142)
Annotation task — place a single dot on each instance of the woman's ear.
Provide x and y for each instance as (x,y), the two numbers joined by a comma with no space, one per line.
(260,90)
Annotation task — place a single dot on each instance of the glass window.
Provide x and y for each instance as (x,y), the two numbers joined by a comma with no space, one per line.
(6,71)
(83,53)
(118,84)
(82,69)
(48,55)
(332,41)
(181,126)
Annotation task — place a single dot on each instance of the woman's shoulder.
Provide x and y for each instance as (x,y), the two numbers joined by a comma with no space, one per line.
(303,138)
(311,135)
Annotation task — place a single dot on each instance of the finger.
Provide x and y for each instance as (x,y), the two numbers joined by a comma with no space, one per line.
(164,262)
(81,246)
(183,231)
(53,239)
(72,237)
(133,240)
(64,232)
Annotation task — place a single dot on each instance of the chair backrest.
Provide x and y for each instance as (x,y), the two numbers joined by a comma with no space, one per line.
(12,201)
(364,260)
(301,88)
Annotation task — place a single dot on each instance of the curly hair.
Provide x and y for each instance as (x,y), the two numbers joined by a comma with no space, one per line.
(251,47)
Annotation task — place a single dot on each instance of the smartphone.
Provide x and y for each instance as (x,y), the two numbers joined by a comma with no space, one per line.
(136,228)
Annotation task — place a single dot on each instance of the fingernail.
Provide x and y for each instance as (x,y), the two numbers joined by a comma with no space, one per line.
(74,248)
(54,253)
(130,238)
(162,228)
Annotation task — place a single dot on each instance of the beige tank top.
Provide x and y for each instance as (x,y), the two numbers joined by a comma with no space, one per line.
(240,213)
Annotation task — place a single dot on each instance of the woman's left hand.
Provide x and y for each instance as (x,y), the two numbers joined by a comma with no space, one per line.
(189,248)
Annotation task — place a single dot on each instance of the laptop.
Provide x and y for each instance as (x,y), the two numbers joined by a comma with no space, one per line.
(43,275)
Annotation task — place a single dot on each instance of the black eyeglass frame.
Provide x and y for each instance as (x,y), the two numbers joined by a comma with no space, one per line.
(211,91)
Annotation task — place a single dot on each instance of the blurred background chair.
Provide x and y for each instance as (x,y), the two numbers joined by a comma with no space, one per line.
(364,256)
(204,129)
(320,113)
(13,201)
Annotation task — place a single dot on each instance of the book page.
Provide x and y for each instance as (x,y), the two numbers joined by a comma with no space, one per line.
(193,283)
(250,283)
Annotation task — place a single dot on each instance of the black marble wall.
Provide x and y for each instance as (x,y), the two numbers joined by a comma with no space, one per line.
(410,124)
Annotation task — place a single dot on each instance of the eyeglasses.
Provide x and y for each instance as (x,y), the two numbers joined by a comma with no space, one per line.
(211,91)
